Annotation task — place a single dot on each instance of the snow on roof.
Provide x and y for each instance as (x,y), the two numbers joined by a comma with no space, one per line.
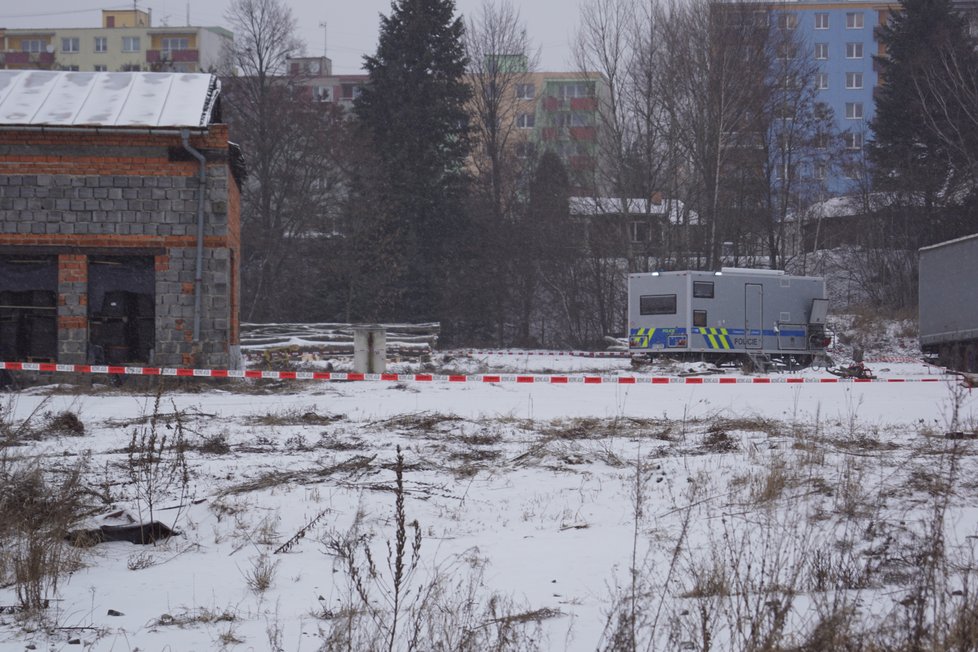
(675,209)
(852,205)
(107,99)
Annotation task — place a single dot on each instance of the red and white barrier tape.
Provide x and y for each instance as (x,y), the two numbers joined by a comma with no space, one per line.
(450,378)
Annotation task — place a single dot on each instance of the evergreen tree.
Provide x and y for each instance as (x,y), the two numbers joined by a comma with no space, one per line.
(413,112)
(924,130)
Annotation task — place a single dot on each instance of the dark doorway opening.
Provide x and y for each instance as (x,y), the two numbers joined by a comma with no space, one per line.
(29,308)
(121,309)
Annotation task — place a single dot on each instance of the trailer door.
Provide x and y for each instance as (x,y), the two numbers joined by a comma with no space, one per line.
(753,315)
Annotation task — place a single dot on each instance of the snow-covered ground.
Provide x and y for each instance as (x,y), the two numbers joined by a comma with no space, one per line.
(542,496)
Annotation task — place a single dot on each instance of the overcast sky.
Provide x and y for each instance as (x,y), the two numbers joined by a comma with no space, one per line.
(351,24)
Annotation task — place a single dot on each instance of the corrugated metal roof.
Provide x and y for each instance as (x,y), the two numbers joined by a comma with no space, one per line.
(107,99)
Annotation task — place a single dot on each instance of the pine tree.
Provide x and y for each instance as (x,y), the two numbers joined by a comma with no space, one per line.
(413,111)
(924,140)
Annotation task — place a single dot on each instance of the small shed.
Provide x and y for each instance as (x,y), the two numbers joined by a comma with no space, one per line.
(119,220)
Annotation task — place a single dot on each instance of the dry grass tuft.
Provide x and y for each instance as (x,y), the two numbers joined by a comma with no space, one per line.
(718,441)
(294,417)
(418,422)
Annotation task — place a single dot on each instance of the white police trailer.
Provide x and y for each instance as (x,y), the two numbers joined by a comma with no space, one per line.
(734,315)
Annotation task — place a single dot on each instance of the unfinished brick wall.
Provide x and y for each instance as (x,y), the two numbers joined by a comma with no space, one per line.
(84,194)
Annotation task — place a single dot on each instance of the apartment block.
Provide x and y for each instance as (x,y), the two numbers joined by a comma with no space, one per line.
(842,39)
(126,41)
(554,111)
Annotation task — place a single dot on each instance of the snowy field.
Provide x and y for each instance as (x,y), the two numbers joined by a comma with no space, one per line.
(548,517)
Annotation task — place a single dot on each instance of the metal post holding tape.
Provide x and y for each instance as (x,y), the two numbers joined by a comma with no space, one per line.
(369,349)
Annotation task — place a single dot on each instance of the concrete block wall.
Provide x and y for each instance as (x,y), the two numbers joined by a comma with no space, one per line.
(83,194)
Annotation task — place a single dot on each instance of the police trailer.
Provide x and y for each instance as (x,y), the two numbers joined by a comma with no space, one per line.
(735,315)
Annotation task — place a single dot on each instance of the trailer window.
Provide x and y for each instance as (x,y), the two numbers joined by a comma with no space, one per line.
(703,289)
(657,304)
(699,318)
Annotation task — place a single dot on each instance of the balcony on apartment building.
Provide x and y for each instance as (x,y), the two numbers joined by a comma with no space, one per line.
(552,104)
(581,162)
(174,56)
(28,58)
(573,133)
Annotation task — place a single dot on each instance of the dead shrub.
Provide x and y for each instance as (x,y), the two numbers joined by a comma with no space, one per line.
(157,462)
(261,575)
(36,511)
(718,441)
(294,417)
(421,421)
(482,438)
(772,483)
(64,423)
(214,445)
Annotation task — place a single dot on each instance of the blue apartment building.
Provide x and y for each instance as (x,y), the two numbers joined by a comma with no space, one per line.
(841,38)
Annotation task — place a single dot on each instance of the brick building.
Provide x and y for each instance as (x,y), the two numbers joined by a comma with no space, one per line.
(119,220)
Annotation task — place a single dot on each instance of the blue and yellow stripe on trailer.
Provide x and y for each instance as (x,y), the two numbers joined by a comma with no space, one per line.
(716,338)
(657,338)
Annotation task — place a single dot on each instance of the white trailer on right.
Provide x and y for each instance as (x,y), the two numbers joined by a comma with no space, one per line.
(948,302)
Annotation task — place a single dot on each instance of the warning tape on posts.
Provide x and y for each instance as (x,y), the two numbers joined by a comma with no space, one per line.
(539,379)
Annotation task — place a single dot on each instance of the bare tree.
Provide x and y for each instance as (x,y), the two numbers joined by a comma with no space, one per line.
(605,45)
(800,144)
(501,61)
(289,142)
(718,61)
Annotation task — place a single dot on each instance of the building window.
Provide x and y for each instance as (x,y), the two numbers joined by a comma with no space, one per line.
(821,140)
(854,50)
(854,20)
(525,150)
(70,44)
(130,67)
(821,21)
(853,140)
(852,172)
(854,80)
(130,44)
(32,45)
(100,67)
(322,93)
(786,51)
(820,171)
(71,68)
(822,51)
(526,120)
(787,21)
(169,44)
(640,231)
(702,289)
(657,304)
(568,91)
(699,318)
(854,110)
(822,81)
(525,91)
(101,44)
